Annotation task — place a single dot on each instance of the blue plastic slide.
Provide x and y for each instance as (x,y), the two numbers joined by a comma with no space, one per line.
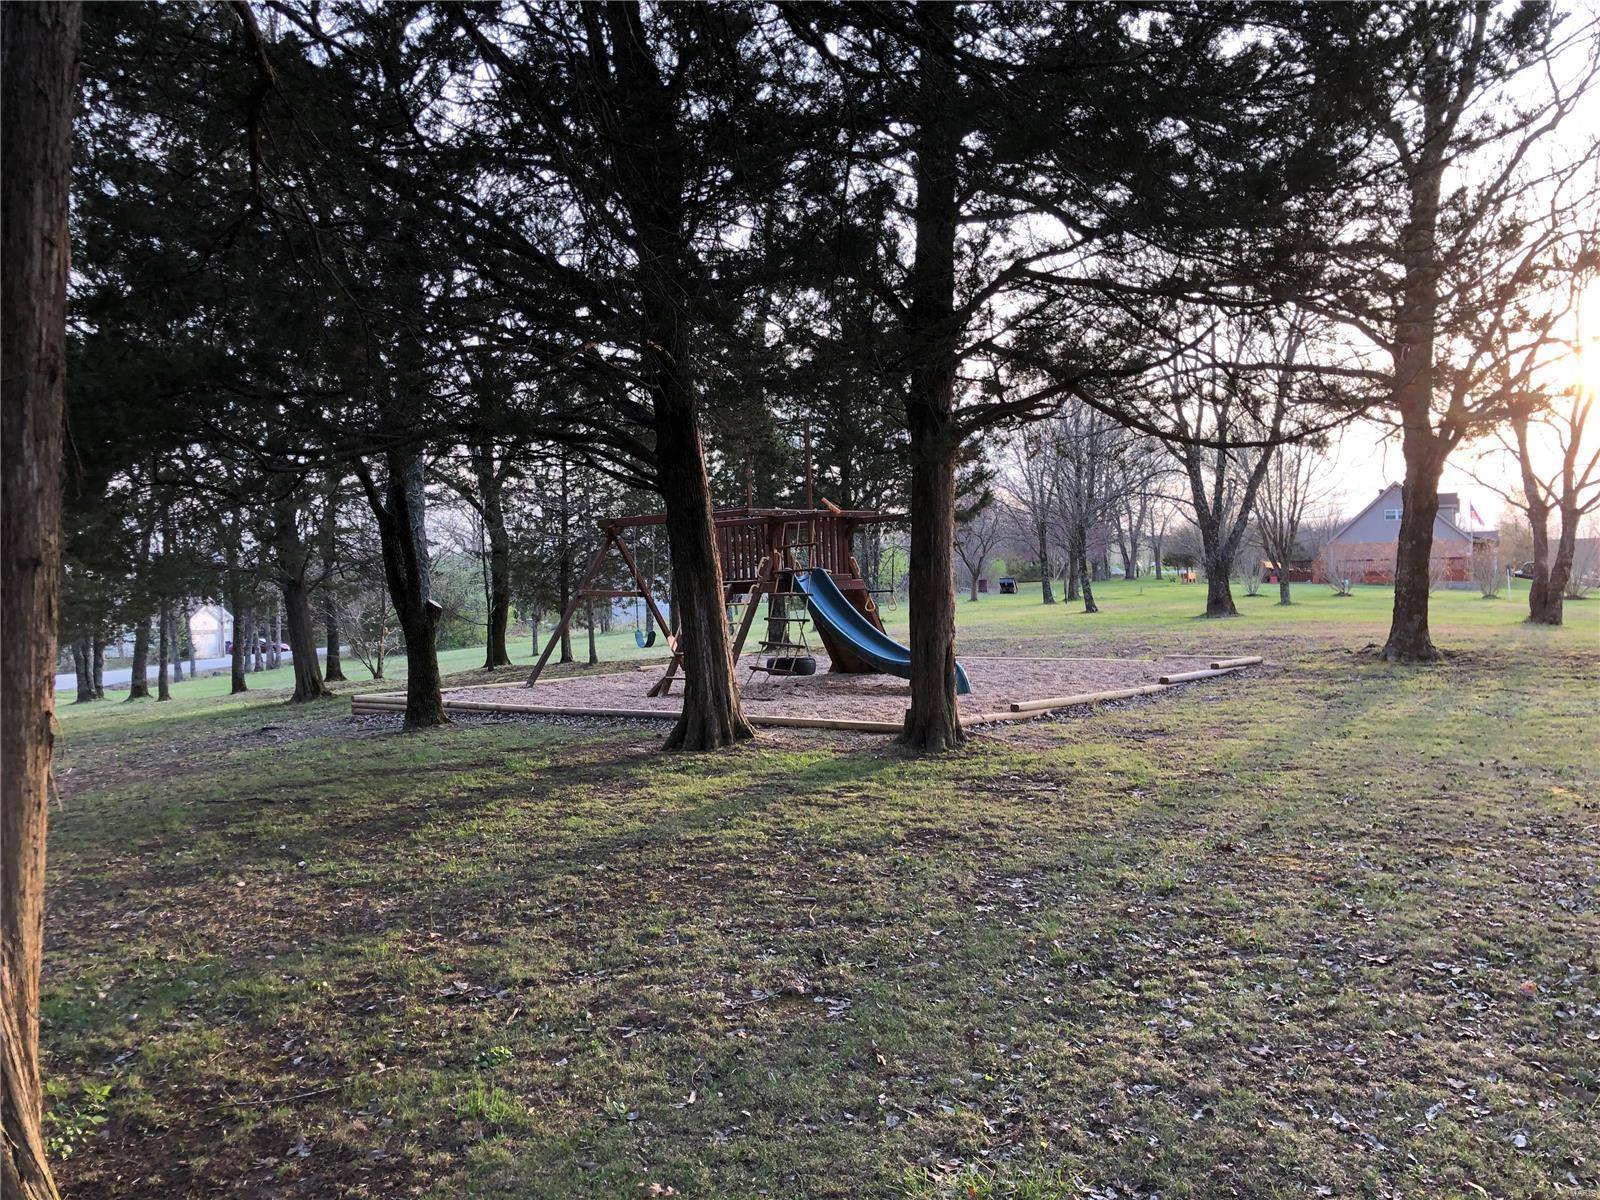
(836,616)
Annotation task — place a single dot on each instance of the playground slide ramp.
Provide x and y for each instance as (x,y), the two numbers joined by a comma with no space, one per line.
(835,615)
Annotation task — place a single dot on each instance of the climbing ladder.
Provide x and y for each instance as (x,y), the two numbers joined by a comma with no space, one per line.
(785,650)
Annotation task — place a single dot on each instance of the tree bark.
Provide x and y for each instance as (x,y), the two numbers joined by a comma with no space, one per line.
(564,580)
(1561,568)
(1554,572)
(139,682)
(244,630)
(405,571)
(1409,638)
(38,68)
(1089,605)
(333,665)
(1539,585)
(292,563)
(275,642)
(1283,584)
(712,717)
(334,662)
(653,187)
(1219,571)
(1046,591)
(178,624)
(97,653)
(933,721)
(308,683)
(491,501)
(236,659)
(82,672)
(1219,592)
(164,654)
(1547,590)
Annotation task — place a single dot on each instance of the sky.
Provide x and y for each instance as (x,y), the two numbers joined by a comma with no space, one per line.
(1367,459)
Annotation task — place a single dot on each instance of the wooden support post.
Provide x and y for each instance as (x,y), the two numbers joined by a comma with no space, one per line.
(1223,663)
(572,607)
(664,685)
(644,590)
(765,582)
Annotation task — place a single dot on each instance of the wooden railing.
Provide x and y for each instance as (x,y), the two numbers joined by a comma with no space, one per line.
(747,538)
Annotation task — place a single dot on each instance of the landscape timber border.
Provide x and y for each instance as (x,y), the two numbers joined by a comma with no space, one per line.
(375,703)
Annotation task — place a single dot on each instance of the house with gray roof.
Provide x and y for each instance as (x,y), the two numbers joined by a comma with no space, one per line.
(1365,547)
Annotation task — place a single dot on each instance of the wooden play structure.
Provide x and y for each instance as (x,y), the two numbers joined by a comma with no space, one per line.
(764,553)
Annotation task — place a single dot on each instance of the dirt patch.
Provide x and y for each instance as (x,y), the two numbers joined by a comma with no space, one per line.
(996,683)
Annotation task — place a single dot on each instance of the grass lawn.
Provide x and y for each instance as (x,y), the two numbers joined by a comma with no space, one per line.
(1326,929)
(615,646)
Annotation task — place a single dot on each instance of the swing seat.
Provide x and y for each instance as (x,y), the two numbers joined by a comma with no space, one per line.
(796,664)
(644,640)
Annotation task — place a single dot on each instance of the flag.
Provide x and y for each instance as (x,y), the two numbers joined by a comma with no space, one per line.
(1472,510)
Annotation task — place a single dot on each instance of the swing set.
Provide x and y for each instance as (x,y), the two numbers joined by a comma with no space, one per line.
(763,552)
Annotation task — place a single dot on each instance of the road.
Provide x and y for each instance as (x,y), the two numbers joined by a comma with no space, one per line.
(68,682)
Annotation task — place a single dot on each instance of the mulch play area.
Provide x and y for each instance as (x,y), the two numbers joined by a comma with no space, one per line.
(1003,689)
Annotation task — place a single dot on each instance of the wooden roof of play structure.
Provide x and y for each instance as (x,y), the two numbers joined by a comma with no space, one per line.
(747,537)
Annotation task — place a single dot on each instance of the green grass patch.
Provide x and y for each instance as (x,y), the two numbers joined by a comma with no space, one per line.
(1327,925)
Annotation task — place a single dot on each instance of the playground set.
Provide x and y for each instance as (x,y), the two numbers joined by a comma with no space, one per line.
(800,561)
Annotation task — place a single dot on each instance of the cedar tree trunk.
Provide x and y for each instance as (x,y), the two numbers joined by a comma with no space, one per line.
(933,722)
(139,682)
(652,184)
(1409,639)
(490,489)
(308,683)
(712,717)
(38,68)
(405,570)
(1424,449)
(82,671)
(164,654)
(236,659)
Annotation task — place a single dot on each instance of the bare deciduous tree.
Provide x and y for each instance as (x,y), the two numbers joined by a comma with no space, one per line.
(977,537)
(1292,484)
(1570,491)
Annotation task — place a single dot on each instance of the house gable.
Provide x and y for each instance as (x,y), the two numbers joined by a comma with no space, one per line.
(1379,521)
